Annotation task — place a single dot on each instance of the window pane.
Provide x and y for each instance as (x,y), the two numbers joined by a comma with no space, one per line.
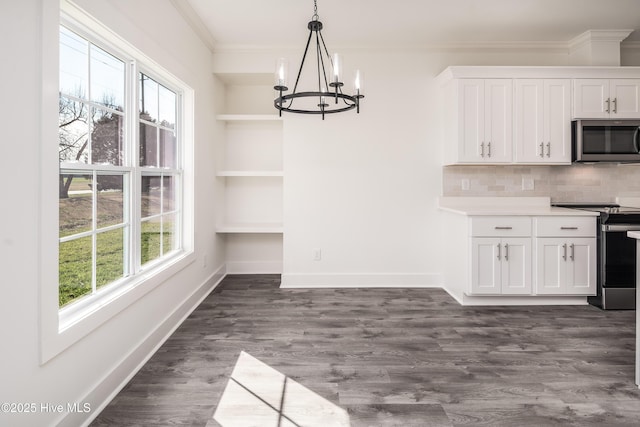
(109,257)
(169,238)
(75,204)
(74,60)
(107,137)
(167,107)
(167,149)
(148,145)
(110,200)
(151,198)
(148,99)
(150,240)
(168,193)
(107,79)
(75,270)
(73,131)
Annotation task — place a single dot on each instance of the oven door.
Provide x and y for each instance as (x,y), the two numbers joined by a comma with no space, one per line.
(617,281)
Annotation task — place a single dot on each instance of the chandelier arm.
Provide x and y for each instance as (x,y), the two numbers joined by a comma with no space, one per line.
(326,50)
(304,56)
(321,61)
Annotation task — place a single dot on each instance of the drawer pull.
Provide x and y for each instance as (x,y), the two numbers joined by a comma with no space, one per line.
(568,228)
(504,228)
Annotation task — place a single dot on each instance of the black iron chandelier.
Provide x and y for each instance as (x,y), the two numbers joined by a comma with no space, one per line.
(323,100)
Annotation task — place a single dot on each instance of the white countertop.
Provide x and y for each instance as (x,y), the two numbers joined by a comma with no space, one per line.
(525,206)
(634,234)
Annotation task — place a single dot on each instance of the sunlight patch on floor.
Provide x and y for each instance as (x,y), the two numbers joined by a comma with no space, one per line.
(258,395)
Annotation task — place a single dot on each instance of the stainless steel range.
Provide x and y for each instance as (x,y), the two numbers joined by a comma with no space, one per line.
(616,284)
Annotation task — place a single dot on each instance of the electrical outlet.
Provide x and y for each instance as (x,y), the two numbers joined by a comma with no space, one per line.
(527,183)
(464,184)
(204,261)
(317,254)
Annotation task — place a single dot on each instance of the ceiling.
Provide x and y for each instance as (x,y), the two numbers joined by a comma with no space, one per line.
(411,23)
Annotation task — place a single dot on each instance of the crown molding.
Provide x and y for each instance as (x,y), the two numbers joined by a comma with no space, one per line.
(194,21)
(557,47)
(599,36)
(630,45)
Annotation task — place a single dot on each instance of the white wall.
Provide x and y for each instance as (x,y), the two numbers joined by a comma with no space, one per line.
(91,369)
(363,188)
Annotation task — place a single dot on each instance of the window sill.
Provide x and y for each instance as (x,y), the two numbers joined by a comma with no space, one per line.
(81,318)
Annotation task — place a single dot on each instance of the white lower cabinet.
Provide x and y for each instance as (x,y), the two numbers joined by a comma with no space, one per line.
(565,266)
(565,259)
(538,255)
(500,266)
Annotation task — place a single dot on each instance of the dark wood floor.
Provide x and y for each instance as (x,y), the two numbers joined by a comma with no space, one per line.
(393,357)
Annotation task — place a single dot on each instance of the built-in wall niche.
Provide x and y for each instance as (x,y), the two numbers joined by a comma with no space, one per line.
(248,93)
(253,253)
(252,146)
(253,200)
(249,164)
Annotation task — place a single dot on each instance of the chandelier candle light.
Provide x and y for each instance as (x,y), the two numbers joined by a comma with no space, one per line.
(321,101)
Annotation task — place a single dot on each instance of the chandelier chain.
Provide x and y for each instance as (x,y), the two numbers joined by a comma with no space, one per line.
(315,16)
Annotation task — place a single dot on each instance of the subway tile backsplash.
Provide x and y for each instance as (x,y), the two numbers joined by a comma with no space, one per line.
(601,182)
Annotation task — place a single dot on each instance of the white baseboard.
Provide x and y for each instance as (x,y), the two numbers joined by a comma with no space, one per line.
(112,383)
(254,267)
(522,300)
(399,280)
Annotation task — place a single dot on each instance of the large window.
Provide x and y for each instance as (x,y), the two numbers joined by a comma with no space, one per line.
(120,181)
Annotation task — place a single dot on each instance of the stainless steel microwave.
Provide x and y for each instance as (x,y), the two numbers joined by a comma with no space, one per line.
(605,141)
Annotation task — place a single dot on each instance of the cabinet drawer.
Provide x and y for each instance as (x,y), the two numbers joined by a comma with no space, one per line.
(501,226)
(554,226)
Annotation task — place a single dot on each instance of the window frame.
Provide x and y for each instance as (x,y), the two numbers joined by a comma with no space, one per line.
(61,327)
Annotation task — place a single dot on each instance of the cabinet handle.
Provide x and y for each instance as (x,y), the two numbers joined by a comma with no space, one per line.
(615,105)
(506,252)
(573,249)
(482,149)
(608,101)
(489,148)
(499,251)
(568,228)
(503,228)
(548,149)
(542,149)
(564,254)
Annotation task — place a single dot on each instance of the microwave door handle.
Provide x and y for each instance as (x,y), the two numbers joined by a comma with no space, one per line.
(636,143)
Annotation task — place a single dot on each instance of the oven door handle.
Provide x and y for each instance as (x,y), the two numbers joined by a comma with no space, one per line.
(620,227)
(636,143)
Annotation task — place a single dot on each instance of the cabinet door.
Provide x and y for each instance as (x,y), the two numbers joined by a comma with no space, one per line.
(471,120)
(529,123)
(557,121)
(589,99)
(625,98)
(581,268)
(498,119)
(516,266)
(486,272)
(550,266)
(566,266)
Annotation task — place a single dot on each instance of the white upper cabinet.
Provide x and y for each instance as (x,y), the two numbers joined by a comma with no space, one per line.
(522,115)
(484,118)
(606,99)
(542,122)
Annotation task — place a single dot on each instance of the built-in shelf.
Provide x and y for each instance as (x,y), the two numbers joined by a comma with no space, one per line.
(248,117)
(250,228)
(250,173)
(250,170)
